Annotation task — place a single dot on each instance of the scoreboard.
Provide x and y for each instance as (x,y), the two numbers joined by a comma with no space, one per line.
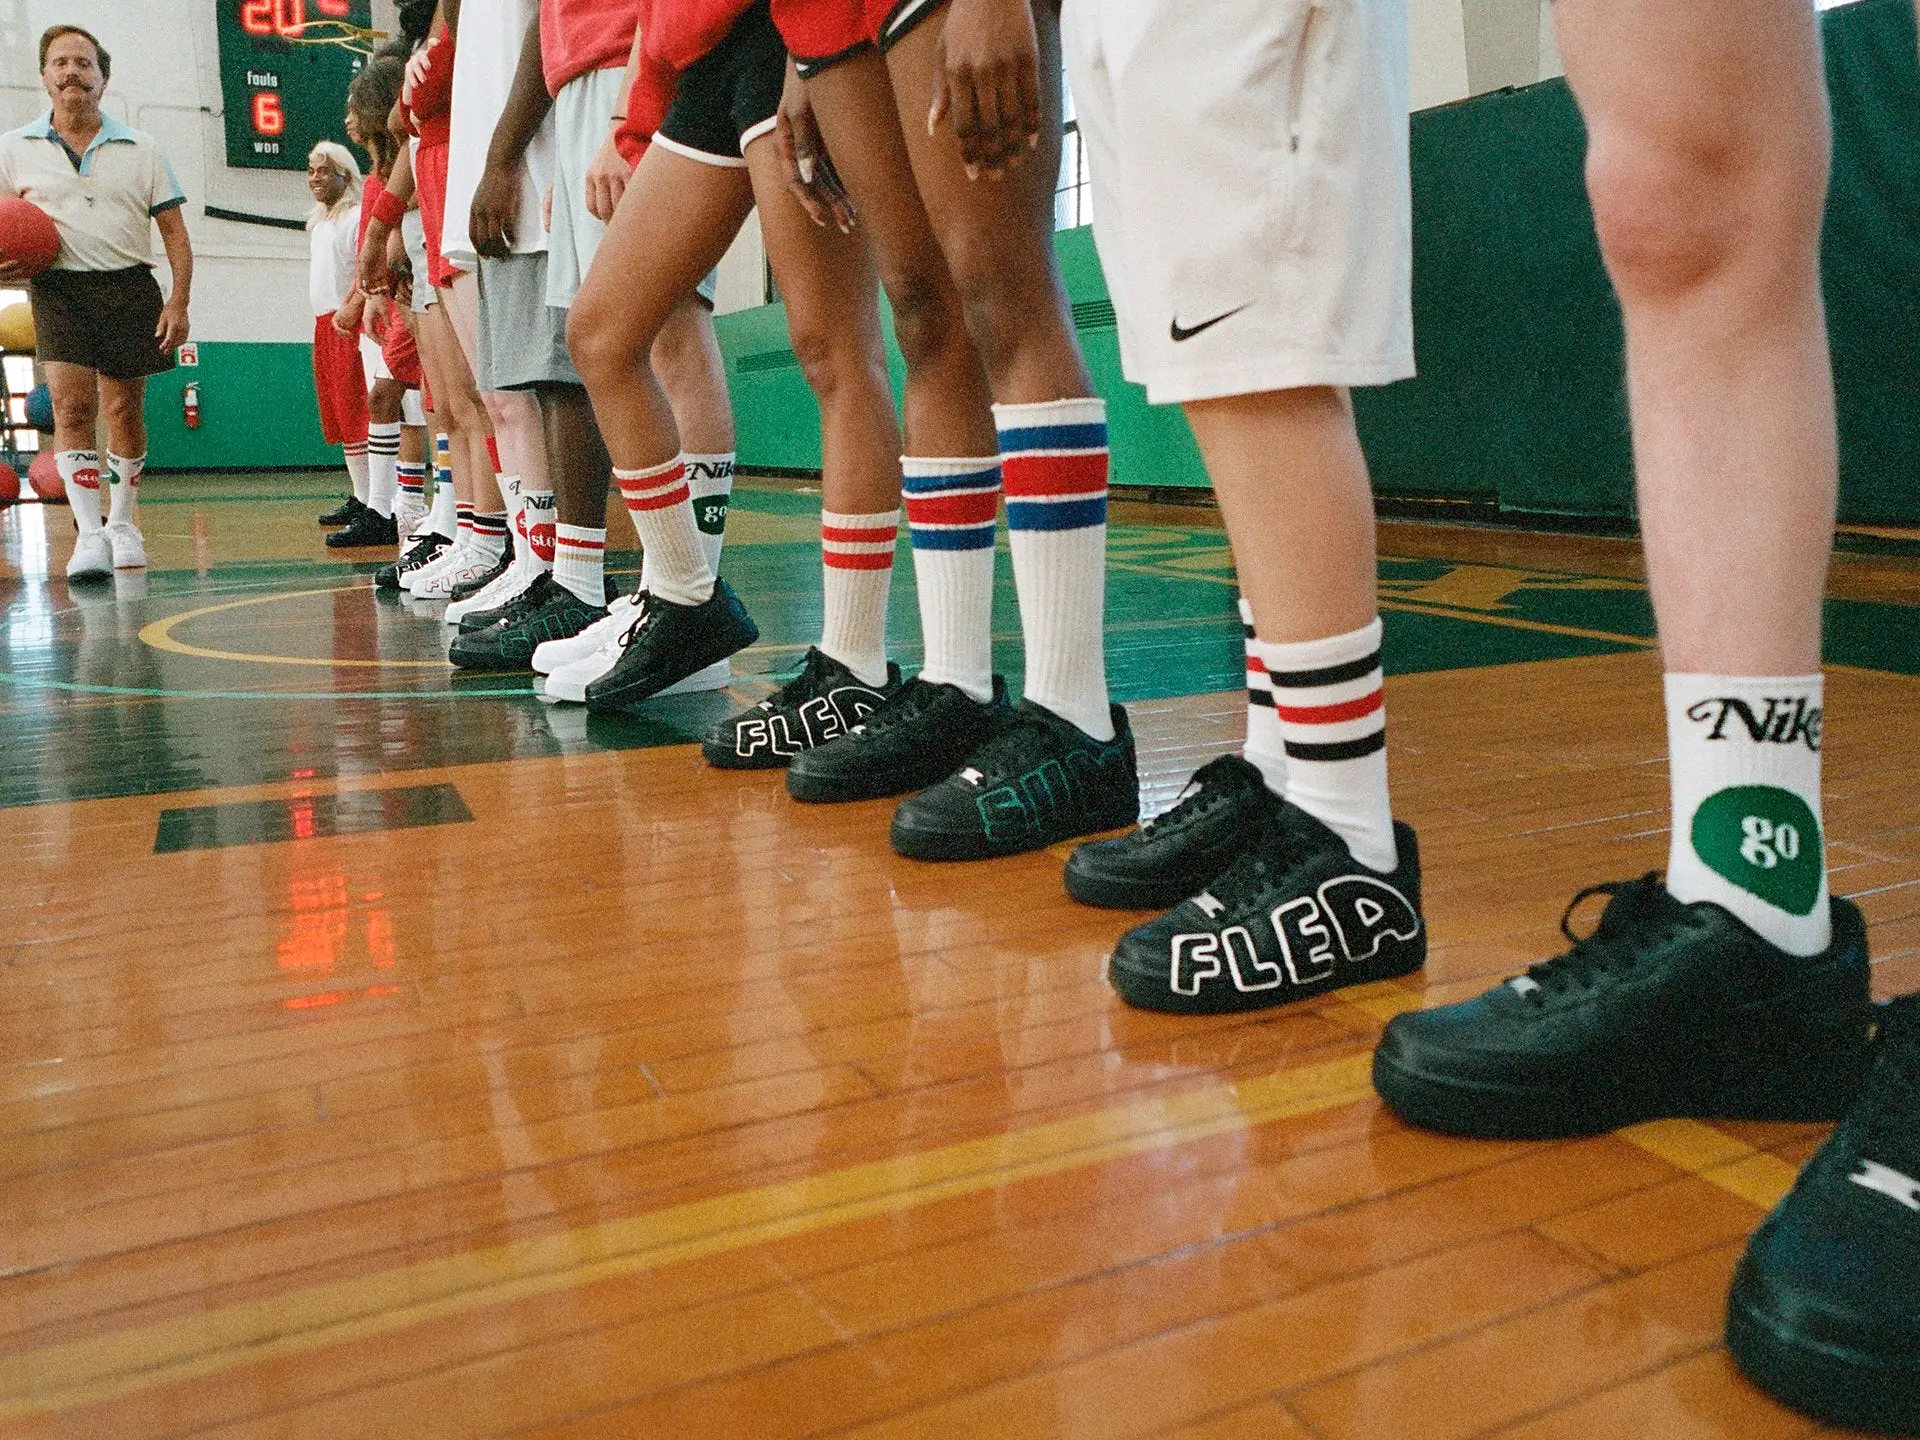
(282,91)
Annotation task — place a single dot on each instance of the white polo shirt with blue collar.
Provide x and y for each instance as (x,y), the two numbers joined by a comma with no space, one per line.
(103,200)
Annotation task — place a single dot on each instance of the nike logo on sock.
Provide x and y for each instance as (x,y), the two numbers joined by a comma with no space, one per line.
(1181,332)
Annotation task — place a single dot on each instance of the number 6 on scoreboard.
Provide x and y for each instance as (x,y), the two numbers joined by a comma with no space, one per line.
(268,117)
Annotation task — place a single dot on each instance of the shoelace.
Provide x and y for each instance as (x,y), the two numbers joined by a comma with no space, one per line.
(1206,789)
(1892,1103)
(803,684)
(643,612)
(910,700)
(1606,950)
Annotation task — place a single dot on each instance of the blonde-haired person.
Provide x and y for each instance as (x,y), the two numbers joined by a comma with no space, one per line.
(339,381)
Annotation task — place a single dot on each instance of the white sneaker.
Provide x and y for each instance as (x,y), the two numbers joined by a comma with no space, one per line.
(129,550)
(464,570)
(411,517)
(411,580)
(511,582)
(550,655)
(92,556)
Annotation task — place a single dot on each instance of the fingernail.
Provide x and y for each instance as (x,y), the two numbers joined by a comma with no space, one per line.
(929,124)
(806,169)
(846,229)
(1033,141)
(973,172)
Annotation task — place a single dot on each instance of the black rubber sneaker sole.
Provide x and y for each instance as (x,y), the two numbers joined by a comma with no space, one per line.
(921,844)
(715,646)
(1106,892)
(1840,1386)
(1814,1082)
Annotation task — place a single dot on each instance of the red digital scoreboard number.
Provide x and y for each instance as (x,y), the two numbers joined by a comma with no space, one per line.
(284,70)
(287,17)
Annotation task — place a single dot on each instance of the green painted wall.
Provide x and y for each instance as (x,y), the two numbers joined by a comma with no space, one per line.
(256,411)
(1519,398)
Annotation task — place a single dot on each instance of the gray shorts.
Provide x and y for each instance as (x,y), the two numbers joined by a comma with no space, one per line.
(522,340)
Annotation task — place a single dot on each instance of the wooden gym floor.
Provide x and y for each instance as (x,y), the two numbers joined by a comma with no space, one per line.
(386,1053)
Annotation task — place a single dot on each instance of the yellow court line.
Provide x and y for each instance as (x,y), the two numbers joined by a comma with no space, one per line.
(1716,1157)
(159,634)
(89,1371)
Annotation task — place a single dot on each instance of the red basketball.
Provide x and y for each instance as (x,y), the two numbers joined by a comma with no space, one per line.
(27,236)
(44,475)
(9,485)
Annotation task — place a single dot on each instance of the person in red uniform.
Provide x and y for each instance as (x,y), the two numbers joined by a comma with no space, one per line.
(709,161)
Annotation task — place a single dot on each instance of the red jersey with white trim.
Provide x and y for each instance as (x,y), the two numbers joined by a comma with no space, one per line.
(577,36)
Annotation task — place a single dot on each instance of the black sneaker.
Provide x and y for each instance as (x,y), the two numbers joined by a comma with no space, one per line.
(1295,915)
(366,529)
(1038,780)
(823,701)
(1664,1010)
(1825,1311)
(531,597)
(923,734)
(423,550)
(467,589)
(1181,852)
(670,642)
(546,612)
(343,513)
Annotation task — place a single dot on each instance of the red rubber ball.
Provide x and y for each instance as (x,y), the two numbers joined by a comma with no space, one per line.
(9,485)
(44,475)
(28,237)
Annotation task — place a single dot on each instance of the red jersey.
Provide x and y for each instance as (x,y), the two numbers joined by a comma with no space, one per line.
(577,36)
(678,32)
(430,107)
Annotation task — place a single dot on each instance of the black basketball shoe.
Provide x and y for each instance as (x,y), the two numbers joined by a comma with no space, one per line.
(343,513)
(531,597)
(467,589)
(670,642)
(367,528)
(923,734)
(1825,1311)
(1664,1010)
(424,549)
(1038,780)
(823,701)
(1295,915)
(1178,853)
(546,612)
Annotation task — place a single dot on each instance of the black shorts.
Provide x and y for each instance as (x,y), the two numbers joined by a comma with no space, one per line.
(727,98)
(102,319)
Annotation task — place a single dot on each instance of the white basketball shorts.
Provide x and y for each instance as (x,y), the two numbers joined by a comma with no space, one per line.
(1248,163)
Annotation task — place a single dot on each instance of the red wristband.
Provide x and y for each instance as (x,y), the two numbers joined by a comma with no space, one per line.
(388,208)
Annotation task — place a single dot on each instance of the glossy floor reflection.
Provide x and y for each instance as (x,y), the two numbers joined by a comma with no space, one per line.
(380,1056)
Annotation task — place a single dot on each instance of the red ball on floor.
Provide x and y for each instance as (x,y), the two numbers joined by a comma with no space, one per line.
(44,475)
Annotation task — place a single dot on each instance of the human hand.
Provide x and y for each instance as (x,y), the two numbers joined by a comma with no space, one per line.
(987,81)
(804,160)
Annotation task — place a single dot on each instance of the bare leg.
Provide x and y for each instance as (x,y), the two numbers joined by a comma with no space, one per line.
(687,361)
(1707,167)
(458,401)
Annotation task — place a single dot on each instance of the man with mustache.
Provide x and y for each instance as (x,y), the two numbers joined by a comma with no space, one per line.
(100,324)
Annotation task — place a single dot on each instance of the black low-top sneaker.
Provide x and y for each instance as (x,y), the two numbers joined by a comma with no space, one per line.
(1664,1010)
(823,701)
(1181,852)
(343,513)
(1038,780)
(669,642)
(923,734)
(1294,916)
(467,589)
(366,529)
(425,548)
(556,614)
(1825,1310)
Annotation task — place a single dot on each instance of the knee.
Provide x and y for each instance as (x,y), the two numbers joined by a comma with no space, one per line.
(837,359)
(76,409)
(926,323)
(594,343)
(1674,214)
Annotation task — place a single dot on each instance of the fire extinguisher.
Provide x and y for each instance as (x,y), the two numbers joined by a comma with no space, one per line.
(190,404)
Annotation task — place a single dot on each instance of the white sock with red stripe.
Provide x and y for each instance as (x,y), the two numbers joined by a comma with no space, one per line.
(856,553)
(356,454)
(1053,466)
(125,471)
(1329,700)
(489,535)
(383,459)
(1266,748)
(662,510)
(80,476)
(951,505)
(580,562)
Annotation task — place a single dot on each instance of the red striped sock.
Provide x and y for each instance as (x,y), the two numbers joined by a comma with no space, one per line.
(662,511)
(856,553)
